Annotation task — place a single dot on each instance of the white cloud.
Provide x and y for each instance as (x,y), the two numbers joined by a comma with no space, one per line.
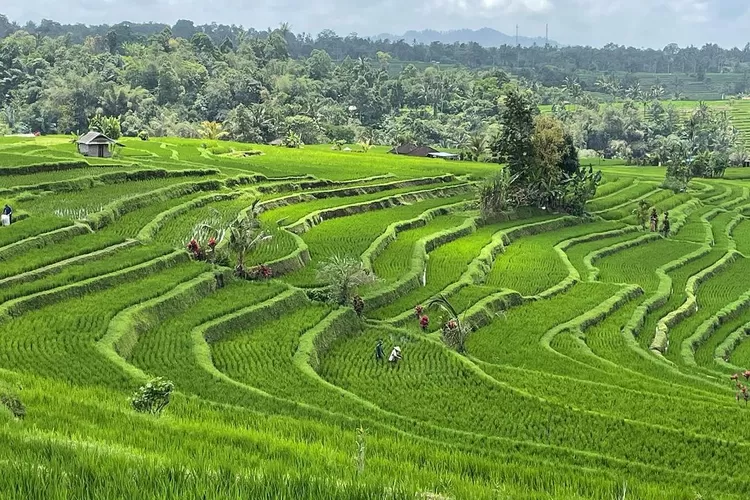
(589,22)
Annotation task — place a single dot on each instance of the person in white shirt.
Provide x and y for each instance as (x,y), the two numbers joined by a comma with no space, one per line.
(395,355)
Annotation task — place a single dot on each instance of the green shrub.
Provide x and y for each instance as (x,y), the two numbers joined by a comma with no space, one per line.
(153,397)
(220,150)
(12,403)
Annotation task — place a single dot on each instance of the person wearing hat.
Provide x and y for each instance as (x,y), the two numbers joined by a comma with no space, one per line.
(379,354)
(395,355)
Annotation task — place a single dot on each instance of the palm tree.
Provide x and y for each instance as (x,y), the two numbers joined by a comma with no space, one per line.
(260,119)
(572,89)
(313,108)
(701,112)
(477,147)
(634,92)
(212,130)
(657,92)
(610,85)
(245,233)
(284,30)
(455,332)
(343,276)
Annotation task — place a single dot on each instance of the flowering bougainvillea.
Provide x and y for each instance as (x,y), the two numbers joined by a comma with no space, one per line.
(195,250)
(261,272)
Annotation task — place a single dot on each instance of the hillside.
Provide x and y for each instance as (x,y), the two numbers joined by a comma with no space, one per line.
(598,365)
(486,37)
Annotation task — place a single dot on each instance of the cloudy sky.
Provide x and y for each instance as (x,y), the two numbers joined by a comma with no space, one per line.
(641,23)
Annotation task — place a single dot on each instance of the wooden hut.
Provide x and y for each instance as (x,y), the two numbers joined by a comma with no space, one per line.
(95,144)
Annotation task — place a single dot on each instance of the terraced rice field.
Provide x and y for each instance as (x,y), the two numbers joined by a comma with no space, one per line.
(598,363)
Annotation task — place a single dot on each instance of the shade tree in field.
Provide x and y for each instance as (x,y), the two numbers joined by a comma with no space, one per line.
(212,130)
(455,330)
(543,168)
(342,277)
(245,233)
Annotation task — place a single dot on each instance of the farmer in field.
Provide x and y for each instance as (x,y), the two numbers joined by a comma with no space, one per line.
(379,354)
(395,355)
(665,225)
(7,215)
(654,220)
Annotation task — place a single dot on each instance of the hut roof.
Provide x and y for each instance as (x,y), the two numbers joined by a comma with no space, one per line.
(93,137)
(444,155)
(403,149)
(413,150)
(422,151)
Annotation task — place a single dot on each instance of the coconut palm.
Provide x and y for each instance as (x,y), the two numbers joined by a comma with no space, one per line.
(212,130)
(609,85)
(656,92)
(245,233)
(572,89)
(634,92)
(342,276)
(459,142)
(476,147)
(455,331)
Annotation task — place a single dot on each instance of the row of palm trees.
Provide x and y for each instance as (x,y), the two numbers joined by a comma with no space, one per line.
(610,85)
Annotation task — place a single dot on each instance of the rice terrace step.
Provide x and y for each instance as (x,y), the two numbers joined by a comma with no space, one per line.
(256,264)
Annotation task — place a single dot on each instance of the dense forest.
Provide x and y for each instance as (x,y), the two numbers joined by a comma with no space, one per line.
(556,60)
(260,86)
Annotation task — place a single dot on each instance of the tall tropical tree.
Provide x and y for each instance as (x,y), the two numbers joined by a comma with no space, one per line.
(245,233)
(610,85)
(476,147)
(343,276)
(514,143)
(212,130)
(572,89)
(455,331)
(656,92)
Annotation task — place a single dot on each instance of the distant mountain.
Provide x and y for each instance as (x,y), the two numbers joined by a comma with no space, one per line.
(486,37)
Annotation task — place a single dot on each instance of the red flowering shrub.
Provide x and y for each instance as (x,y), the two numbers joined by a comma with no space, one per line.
(418,311)
(195,250)
(257,273)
